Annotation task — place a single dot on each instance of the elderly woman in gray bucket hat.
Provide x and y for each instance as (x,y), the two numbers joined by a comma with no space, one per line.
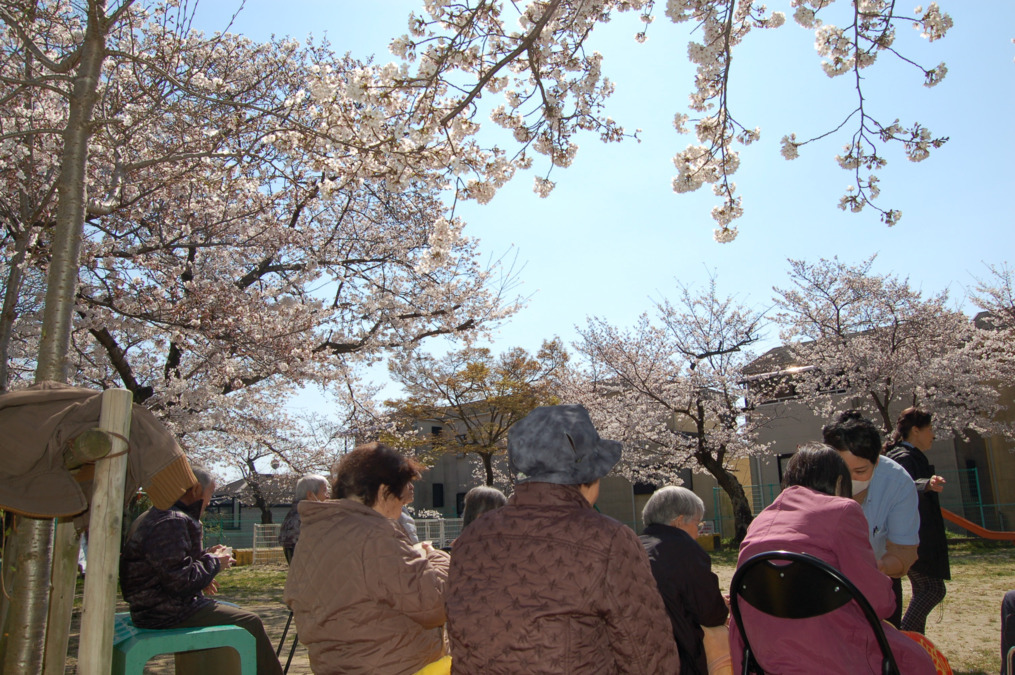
(546,584)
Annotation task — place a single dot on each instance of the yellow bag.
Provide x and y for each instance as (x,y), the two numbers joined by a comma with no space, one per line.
(441,666)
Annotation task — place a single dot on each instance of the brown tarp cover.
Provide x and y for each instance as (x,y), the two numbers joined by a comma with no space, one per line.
(36,424)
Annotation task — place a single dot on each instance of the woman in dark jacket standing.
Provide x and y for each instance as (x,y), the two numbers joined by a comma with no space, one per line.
(912,438)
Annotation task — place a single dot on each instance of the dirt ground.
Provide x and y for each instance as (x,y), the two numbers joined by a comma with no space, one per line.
(966,626)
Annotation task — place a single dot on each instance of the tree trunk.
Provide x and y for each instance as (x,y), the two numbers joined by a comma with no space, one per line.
(488,467)
(25,634)
(253,481)
(742,515)
(12,290)
(266,515)
(886,419)
(70,212)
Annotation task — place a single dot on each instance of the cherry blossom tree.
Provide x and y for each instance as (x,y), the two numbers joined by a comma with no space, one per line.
(555,87)
(877,340)
(247,228)
(995,295)
(271,449)
(273,152)
(672,390)
(475,396)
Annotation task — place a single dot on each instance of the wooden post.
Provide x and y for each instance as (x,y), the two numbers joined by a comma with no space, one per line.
(61,597)
(95,653)
(88,446)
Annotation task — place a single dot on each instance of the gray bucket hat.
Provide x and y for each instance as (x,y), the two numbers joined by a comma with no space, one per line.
(559,444)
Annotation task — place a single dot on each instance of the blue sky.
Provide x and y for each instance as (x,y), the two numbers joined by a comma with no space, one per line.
(613,237)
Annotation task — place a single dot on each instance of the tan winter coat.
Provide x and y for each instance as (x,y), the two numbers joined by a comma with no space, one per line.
(547,585)
(364,600)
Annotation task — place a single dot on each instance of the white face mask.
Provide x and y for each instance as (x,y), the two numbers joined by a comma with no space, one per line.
(860,485)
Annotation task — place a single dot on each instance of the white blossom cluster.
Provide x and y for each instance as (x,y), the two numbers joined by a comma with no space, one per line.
(995,342)
(885,345)
(933,24)
(723,26)
(867,30)
(533,55)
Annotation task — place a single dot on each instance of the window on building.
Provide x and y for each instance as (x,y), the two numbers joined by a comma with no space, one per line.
(438,495)
(783,461)
(459,504)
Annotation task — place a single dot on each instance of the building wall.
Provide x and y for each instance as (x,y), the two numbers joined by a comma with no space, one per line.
(792,423)
(617,497)
(235,527)
(999,453)
(453,476)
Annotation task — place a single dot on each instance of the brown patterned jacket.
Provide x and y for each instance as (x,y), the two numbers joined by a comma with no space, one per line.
(547,585)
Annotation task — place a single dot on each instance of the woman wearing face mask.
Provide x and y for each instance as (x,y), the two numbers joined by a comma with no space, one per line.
(885,491)
(912,438)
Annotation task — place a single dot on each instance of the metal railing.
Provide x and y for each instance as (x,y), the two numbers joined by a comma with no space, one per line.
(266,548)
(438,531)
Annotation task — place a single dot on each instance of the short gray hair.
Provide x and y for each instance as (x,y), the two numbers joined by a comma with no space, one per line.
(309,484)
(202,475)
(479,500)
(669,503)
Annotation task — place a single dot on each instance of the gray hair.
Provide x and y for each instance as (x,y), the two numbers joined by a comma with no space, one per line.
(202,475)
(310,484)
(479,500)
(671,502)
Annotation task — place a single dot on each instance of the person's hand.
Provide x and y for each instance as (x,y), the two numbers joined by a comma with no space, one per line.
(212,588)
(224,555)
(936,484)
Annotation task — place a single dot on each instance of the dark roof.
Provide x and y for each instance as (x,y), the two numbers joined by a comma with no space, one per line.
(771,362)
(278,488)
(988,321)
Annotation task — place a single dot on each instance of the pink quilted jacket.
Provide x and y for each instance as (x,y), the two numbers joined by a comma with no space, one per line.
(365,601)
(547,585)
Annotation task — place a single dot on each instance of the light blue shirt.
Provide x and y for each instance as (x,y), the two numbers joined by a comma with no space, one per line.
(892,507)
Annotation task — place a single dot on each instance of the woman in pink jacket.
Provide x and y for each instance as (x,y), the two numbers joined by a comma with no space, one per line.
(364,598)
(815,515)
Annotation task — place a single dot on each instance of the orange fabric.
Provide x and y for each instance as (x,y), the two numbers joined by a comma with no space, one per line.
(940,662)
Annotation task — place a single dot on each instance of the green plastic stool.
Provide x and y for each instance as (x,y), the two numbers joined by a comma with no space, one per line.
(133,646)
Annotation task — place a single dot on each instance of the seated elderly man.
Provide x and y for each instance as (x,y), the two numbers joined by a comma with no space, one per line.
(547,585)
(683,572)
(165,572)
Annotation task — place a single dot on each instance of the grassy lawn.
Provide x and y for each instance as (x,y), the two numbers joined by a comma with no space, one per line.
(966,626)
